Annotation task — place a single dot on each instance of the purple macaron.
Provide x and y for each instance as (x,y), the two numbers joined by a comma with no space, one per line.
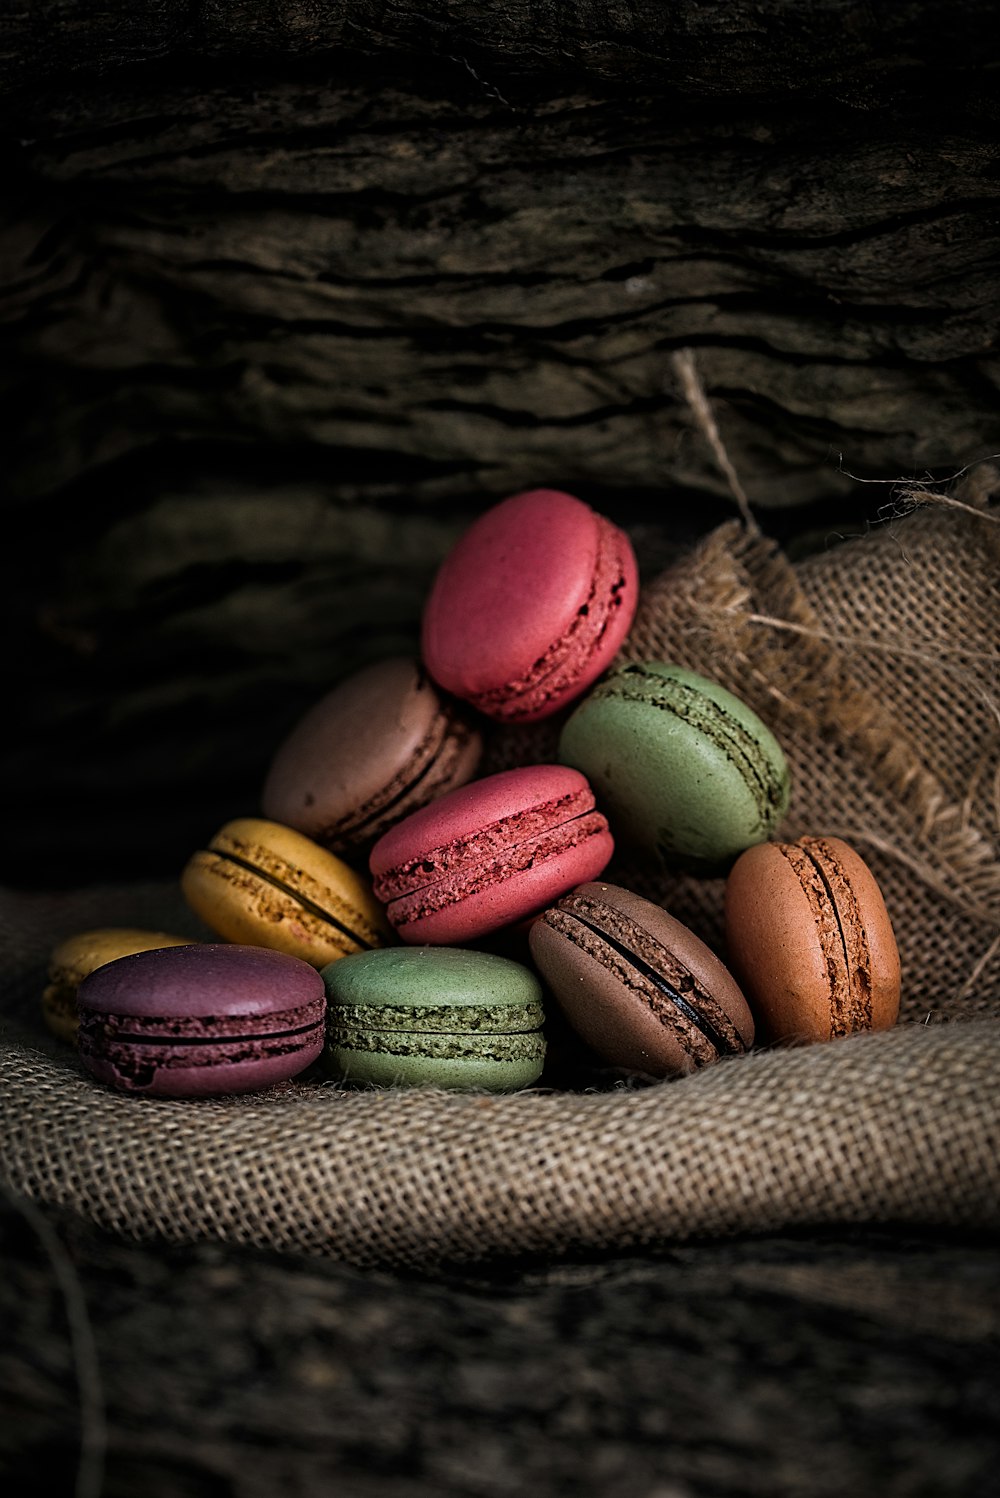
(201,1020)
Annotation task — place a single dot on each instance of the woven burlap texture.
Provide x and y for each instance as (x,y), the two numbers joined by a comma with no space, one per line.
(875,664)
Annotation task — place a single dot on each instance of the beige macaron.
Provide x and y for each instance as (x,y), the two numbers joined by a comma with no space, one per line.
(78,956)
(264,884)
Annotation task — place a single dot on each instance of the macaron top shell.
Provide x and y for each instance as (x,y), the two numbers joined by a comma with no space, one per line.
(682,766)
(808,934)
(380,744)
(447,988)
(530,606)
(207,980)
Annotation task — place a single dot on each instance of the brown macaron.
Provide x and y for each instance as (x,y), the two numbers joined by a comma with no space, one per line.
(809,937)
(636,985)
(381,744)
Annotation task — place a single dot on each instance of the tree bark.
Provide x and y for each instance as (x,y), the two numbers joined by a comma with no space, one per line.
(291,293)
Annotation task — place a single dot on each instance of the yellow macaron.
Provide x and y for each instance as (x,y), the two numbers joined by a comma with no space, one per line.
(77,956)
(264,884)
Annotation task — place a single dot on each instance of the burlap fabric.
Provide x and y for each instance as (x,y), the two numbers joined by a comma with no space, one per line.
(875,662)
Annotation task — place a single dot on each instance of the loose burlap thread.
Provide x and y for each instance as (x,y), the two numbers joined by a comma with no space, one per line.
(875,663)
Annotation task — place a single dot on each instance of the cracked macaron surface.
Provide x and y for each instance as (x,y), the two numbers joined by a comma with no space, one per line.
(265,884)
(434,1015)
(808,934)
(489,854)
(196,1021)
(687,772)
(639,987)
(530,606)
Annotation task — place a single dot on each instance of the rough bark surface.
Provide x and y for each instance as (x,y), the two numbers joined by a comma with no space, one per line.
(290,291)
(861,1363)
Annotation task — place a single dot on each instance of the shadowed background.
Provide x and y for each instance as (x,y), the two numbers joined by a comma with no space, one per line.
(291,291)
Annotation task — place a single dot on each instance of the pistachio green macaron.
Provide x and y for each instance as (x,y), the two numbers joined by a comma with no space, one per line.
(684,770)
(439,1016)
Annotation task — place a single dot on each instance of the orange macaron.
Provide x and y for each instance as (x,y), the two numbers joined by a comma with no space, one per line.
(810,940)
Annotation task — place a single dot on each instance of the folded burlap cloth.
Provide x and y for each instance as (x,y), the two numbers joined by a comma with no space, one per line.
(875,663)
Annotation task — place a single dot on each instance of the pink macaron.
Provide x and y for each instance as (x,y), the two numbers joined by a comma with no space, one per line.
(490,854)
(530,606)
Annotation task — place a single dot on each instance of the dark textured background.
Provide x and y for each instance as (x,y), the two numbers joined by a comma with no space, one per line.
(289,292)
(293,290)
(864,1362)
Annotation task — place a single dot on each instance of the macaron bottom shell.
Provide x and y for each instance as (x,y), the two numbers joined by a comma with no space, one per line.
(148,1071)
(508,1064)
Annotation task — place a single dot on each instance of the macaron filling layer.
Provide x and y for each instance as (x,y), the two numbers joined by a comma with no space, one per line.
(449,873)
(439,1045)
(562,667)
(428,1019)
(358,931)
(668,988)
(763,775)
(201,1029)
(841,932)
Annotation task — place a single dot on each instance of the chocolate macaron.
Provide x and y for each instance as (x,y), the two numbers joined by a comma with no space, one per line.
(810,939)
(640,988)
(380,745)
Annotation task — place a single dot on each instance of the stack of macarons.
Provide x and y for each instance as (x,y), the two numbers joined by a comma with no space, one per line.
(386,870)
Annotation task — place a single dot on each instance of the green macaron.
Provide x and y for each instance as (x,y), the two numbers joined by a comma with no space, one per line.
(441,1016)
(683,770)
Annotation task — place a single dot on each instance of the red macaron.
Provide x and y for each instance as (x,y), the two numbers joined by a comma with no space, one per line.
(530,606)
(490,854)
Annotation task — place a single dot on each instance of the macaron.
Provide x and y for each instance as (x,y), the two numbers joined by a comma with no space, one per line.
(200,1020)
(411,1016)
(80,954)
(530,606)
(688,774)
(263,884)
(381,744)
(810,939)
(489,854)
(640,988)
